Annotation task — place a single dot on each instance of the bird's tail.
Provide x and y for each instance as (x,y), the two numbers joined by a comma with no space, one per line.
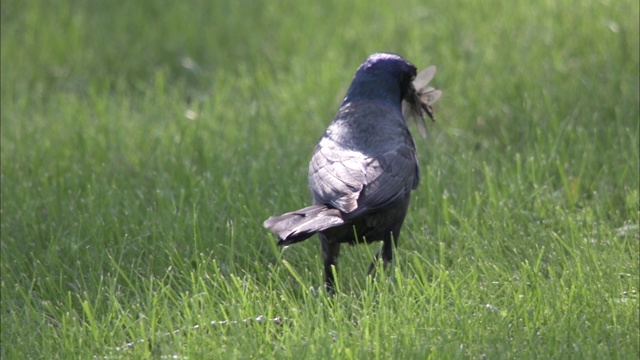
(301,224)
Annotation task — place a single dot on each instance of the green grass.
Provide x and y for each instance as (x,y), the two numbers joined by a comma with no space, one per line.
(124,219)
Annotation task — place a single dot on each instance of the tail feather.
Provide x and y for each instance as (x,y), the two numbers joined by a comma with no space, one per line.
(302,224)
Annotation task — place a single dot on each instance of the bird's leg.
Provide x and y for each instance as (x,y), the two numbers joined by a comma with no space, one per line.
(387,248)
(386,251)
(330,252)
(372,267)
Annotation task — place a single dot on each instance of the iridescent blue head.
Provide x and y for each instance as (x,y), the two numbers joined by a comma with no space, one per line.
(382,77)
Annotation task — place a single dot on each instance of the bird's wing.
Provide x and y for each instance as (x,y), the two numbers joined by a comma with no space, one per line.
(390,177)
(355,183)
(336,176)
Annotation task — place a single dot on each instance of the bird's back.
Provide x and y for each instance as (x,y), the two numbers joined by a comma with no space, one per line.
(365,166)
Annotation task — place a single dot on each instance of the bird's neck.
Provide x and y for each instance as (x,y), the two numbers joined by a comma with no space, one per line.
(382,91)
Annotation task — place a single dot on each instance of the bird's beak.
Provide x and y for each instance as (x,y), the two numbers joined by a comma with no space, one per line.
(420,98)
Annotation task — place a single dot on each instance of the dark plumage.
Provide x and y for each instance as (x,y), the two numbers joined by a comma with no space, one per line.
(364,166)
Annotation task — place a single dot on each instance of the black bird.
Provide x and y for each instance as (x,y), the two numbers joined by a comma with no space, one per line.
(364,166)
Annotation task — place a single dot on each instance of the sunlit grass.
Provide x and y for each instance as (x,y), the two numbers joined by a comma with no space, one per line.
(143,144)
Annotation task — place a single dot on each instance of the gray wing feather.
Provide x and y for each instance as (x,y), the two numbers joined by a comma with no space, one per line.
(355,183)
(337,177)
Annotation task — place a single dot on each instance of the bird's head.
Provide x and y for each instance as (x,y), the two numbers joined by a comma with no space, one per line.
(384,78)
(388,69)
(391,79)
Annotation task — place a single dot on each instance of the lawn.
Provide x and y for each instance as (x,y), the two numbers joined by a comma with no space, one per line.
(143,143)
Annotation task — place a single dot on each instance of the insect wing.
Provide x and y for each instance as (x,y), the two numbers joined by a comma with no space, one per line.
(423,77)
(429,96)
